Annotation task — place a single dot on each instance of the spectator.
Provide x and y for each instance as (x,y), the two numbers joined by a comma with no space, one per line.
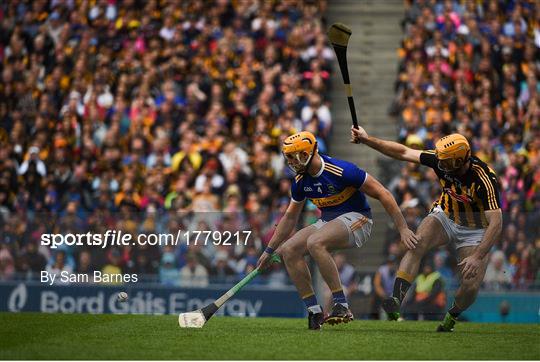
(428,300)
(112,269)
(193,274)
(383,284)
(7,267)
(221,272)
(58,266)
(85,265)
(35,261)
(348,277)
(498,275)
(168,274)
(440,264)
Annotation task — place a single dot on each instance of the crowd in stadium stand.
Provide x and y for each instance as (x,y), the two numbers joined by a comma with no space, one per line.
(150,117)
(143,116)
(473,67)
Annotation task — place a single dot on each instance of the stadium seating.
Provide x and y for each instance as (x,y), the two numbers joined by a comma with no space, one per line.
(115,116)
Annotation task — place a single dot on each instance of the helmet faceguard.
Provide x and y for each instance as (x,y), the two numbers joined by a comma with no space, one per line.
(452,153)
(298,161)
(299,150)
(450,165)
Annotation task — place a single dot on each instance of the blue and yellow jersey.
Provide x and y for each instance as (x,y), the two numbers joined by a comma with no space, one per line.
(334,190)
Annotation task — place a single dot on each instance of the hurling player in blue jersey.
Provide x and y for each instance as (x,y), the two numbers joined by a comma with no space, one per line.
(338,189)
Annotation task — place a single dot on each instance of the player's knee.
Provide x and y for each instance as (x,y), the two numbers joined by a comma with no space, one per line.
(418,252)
(287,252)
(315,243)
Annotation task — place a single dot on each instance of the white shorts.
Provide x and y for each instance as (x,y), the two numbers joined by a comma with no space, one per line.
(460,235)
(358,225)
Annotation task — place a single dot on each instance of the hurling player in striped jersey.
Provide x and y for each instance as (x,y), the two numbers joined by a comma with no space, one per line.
(338,188)
(467,215)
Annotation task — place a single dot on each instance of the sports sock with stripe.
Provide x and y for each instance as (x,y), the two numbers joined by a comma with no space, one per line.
(311,303)
(339,297)
(402,285)
(400,288)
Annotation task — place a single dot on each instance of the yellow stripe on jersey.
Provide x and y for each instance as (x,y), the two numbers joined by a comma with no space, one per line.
(334,199)
(337,168)
(298,178)
(334,169)
(492,200)
(487,184)
(331,170)
(494,196)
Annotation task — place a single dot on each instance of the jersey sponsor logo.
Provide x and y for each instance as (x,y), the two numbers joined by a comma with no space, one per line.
(308,189)
(331,189)
(461,198)
(334,199)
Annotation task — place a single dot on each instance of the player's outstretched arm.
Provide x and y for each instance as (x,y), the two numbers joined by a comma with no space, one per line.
(389,148)
(375,189)
(283,230)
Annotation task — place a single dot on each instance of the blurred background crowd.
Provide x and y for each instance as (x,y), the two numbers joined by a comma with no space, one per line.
(473,67)
(153,116)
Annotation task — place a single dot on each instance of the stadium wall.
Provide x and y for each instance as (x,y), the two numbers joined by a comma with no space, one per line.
(253,301)
(503,307)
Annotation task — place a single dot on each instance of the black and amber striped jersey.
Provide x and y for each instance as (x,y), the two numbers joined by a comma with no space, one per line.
(464,198)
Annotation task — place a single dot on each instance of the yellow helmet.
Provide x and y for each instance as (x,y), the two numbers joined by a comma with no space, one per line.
(452,151)
(296,147)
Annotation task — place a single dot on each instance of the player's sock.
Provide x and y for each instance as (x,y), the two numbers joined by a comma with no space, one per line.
(339,298)
(455,311)
(401,285)
(311,303)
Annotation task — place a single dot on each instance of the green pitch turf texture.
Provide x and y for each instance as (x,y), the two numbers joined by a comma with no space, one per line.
(81,336)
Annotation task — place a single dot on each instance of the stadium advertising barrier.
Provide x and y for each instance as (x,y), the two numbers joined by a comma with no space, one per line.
(503,307)
(251,302)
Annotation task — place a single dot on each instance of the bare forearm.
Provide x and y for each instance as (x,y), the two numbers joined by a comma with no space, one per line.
(392,208)
(491,236)
(389,148)
(283,230)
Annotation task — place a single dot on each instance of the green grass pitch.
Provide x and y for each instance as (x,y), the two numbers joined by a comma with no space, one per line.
(81,336)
